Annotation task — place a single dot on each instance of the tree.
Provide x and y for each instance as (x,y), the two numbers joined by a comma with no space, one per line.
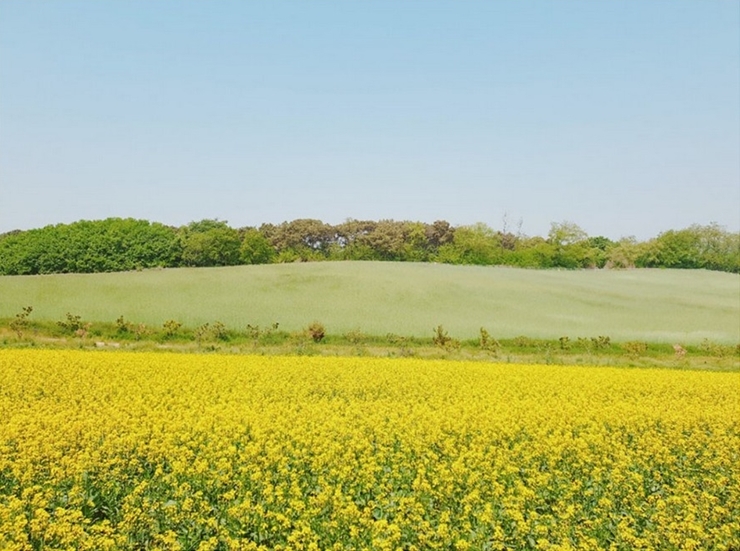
(571,245)
(416,245)
(625,253)
(475,244)
(697,246)
(386,240)
(350,240)
(303,239)
(255,249)
(210,243)
(439,233)
(109,245)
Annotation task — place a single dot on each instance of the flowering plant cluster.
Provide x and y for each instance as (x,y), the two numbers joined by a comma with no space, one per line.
(114,450)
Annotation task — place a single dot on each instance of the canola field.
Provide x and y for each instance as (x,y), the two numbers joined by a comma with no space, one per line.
(102,450)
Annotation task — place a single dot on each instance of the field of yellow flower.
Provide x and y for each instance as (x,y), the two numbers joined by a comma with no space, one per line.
(104,450)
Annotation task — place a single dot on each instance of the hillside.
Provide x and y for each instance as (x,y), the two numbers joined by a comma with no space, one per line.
(684,306)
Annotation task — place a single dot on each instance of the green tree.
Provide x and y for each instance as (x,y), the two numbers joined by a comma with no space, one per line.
(113,244)
(474,244)
(572,248)
(302,239)
(255,249)
(350,242)
(625,253)
(416,245)
(697,246)
(532,252)
(210,243)
(386,240)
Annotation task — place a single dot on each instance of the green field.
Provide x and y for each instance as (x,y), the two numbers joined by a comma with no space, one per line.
(409,299)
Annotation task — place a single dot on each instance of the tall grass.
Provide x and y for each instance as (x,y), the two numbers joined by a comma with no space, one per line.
(402,298)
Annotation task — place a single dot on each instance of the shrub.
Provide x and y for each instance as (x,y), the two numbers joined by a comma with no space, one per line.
(443,340)
(20,322)
(523,342)
(253,331)
(718,350)
(73,324)
(488,343)
(392,338)
(316,331)
(123,327)
(140,331)
(355,336)
(601,342)
(680,350)
(219,332)
(583,343)
(200,332)
(593,343)
(171,327)
(635,348)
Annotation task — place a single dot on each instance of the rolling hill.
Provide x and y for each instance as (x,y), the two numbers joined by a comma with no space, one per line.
(684,306)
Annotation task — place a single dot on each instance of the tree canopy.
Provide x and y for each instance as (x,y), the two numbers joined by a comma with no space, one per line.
(117,244)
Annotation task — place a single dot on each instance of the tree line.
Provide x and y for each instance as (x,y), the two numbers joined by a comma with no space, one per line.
(117,244)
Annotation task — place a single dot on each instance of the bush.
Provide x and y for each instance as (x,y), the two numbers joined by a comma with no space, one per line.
(74,324)
(635,348)
(253,331)
(524,342)
(601,342)
(171,327)
(717,350)
(219,332)
(488,343)
(316,331)
(123,327)
(355,336)
(441,338)
(20,322)
(200,332)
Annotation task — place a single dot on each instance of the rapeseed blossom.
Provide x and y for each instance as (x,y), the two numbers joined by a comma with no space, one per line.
(106,451)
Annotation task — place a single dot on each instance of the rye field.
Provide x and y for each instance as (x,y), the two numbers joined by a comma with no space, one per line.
(114,450)
(668,306)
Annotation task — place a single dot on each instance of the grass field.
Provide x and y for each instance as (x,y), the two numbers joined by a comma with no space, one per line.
(105,451)
(402,298)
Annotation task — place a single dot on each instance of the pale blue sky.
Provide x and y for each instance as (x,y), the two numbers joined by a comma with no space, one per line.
(623,117)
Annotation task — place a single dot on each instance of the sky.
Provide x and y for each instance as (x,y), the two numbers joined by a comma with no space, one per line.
(622,117)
